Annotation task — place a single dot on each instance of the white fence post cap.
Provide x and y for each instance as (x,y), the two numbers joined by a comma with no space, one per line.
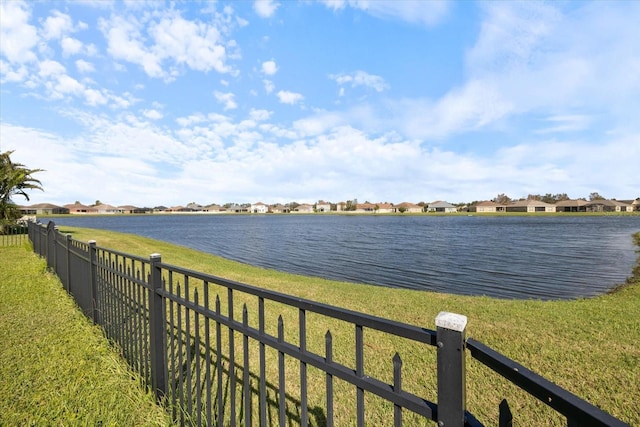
(453,321)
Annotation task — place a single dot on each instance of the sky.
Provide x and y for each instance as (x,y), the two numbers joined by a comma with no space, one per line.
(153,103)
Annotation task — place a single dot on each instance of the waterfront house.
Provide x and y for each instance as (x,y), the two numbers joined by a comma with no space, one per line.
(530,206)
(105,208)
(304,208)
(213,208)
(385,208)
(365,208)
(43,209)
(440,206)
(259,208)
(323,206)
(487,206)
(621,206)
(280,208)
(406,207)
(578,205)
(129,209)
(79,208)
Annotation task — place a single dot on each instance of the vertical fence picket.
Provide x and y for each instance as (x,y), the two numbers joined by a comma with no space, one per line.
(220,404)
(282,402)
(179,338)
(263,365)
(302,327)
(232,361)
(196,327)
(328,340)
(207,347)
(188,349)
(246,378)
(359,374)
(397,388)
(172,349)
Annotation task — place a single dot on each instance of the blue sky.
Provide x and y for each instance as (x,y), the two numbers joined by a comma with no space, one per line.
(150,103)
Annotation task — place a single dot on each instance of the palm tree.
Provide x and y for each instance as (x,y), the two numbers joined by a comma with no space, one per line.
(15,179)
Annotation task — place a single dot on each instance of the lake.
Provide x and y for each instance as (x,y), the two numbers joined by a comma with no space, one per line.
(542,257)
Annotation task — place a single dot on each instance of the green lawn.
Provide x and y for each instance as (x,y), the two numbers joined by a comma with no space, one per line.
(588,346)
(56,368)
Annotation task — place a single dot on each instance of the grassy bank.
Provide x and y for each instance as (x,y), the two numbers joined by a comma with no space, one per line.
(588,346)
(56,368)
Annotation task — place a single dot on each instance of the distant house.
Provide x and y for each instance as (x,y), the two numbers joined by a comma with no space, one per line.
(259,208)
(406,207)
(280,208)
(601,205)
(440,206)
(341,206)
(577,205)
(238,208)
(304,208)
(487,206)
(530,206)
(323,206)
(365,207)
(104,208)
(621,206)
(128,209)
(385,208)
(43,209)
(213,208)
(195,207)
(160,208)
(79,208)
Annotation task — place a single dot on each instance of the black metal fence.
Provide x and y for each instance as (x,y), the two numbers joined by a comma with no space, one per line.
(13,234)
(191,338)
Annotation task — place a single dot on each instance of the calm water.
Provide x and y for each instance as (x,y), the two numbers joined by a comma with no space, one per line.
(508,257)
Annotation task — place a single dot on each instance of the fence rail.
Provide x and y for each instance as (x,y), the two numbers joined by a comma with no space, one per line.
(219,352)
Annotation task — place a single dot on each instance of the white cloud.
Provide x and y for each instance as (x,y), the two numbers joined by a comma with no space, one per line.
(287,97)
(260,115)
(228,99)
(152,114)
(51,68)
(428,13)
(84,66)
(268,86)
(56,25)
(17,36)
(70,46)
(174,40)
(265,8)
(269,68)
(565,123)
(361,78)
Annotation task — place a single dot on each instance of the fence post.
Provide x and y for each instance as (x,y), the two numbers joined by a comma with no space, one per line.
(157,330)
(68,249)
(55,249)
(93,286)
(450,337)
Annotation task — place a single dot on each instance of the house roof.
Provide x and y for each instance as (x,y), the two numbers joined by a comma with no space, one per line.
(441,204)
(530,203)
(487,203)
(576,202)
(408,205)
(44,206)
(76,206)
